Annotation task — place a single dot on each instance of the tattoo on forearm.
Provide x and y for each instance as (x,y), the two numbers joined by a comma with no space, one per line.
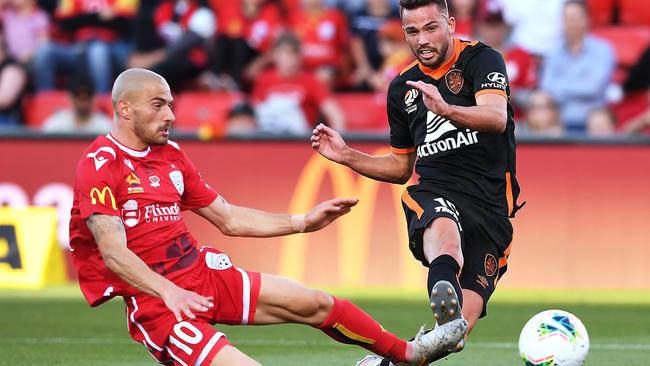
(102,224)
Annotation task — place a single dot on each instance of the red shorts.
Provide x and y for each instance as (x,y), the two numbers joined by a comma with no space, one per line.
(195,342)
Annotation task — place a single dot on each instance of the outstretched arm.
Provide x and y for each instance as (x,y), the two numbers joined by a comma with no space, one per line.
(241,221)
(392,168)
(111,240)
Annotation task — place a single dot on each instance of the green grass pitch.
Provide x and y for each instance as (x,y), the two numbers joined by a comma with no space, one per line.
(56,327)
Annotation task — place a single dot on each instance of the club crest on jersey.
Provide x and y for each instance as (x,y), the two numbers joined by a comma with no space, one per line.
(219,261)
(490,265)
(134,184)
(154,181)
(454,80)
(409,99)
(177,178)
(100,157)
(130,213)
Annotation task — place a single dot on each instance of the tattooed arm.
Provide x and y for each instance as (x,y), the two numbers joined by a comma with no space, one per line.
(111,240)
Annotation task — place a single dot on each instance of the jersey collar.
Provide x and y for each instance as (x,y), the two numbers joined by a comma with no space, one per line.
(442,70)
(134,153)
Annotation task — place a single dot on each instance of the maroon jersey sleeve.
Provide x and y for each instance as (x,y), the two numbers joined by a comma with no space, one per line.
(196,193)
(95,183)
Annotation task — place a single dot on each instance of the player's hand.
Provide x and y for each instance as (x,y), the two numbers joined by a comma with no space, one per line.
(431,97)
(182,302)
(324,213)
(328,143)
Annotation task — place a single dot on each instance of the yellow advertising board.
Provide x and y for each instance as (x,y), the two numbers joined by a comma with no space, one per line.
(29,254)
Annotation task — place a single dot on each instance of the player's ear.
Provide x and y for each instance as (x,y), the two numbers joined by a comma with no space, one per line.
(451,25)
(123,109)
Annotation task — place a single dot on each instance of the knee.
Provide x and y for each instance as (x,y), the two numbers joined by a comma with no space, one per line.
(316,307)
(433,250)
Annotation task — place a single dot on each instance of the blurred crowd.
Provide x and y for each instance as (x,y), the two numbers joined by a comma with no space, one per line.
(575,67)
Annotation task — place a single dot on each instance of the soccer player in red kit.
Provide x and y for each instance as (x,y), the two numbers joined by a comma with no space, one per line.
(129,239)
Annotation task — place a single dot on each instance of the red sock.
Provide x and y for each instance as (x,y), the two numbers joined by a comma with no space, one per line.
(347,323)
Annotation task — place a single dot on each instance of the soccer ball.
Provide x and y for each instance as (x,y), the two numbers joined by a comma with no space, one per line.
(554,338)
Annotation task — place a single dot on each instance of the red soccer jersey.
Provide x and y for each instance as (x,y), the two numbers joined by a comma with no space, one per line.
(304,87)
(259,31)
(147,190)
(324,37)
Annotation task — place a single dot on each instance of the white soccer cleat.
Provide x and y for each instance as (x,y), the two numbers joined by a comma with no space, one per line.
(374,360)
(428,346)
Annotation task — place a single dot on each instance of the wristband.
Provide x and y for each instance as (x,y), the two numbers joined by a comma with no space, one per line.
(298,223)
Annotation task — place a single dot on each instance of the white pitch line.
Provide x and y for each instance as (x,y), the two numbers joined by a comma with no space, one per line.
(285,342)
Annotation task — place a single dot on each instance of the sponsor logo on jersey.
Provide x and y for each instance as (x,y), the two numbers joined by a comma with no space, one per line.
(161,213)
(101,156)
(130,213)
(177,178)
(435,141)
(154,181)
(454,80)
(134,184)
(409,99)
(496,81)
(100,195)
(490,265)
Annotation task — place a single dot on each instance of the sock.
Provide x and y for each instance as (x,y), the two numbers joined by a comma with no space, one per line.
(348,324)
(445,268)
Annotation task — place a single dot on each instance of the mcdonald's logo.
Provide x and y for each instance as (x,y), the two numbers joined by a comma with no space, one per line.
(101,196)
(354,230)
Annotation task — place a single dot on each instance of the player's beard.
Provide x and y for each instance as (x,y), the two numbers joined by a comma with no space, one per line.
(148,137)
(436,62)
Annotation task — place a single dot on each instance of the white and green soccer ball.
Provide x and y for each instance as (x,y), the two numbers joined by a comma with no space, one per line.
(554,338)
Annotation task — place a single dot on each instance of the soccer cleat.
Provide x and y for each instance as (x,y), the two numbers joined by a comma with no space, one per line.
(374,360)
(444,303)
(428,346)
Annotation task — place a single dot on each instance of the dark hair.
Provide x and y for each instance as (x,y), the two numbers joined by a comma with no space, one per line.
(414,4)
(288,39)
(81,84)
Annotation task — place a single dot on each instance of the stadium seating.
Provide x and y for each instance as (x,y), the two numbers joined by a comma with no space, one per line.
(635,12)
(363,111)
(38,107)
(628,42)
(196,109)
(600,12)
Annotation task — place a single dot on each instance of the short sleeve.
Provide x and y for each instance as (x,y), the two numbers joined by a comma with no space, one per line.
(197,193)
(487,69)
(401,141)
(95,183)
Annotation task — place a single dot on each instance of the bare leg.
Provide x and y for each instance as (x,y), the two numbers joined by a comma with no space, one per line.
(231,356)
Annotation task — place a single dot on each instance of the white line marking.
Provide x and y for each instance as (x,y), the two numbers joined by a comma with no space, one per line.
(285,342)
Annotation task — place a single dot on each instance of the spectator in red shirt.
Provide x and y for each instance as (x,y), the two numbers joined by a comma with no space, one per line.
(246,30)
(466,13)
(521,66)
(185,28)
(289,99)
(324,36)
(99,30)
